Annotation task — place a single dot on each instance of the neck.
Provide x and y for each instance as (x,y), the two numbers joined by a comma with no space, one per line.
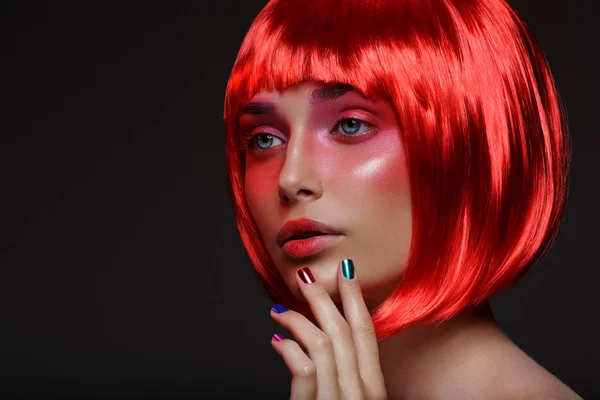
(425,359)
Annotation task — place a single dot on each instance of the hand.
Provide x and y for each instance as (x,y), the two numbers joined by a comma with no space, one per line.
(343,356)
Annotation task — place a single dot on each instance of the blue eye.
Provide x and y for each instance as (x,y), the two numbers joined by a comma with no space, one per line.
(352,126)
(264,141)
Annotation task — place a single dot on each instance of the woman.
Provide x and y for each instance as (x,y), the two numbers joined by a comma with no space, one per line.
(393,164)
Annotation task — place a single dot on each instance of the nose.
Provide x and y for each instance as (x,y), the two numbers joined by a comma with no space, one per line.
(299,179)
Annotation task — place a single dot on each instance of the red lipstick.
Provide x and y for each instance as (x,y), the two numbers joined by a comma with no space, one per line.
(304,237)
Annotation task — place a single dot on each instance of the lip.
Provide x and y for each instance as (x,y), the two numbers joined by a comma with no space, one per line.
(300,225)
(301,248)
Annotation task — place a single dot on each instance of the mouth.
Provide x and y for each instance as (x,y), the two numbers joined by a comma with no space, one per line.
(304,237)
(302,248)
(302,229)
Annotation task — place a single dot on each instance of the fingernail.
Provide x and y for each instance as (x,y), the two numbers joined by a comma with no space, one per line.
(278,337)
(306,275)
(278,308)
(348,268)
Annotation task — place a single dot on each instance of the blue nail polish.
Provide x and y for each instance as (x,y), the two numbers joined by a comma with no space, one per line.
(278,308)
(348,268)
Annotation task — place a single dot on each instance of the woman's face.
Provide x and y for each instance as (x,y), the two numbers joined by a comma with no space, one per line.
(328,154)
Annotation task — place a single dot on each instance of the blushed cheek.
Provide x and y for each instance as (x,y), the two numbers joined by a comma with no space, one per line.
(383,173)
(261,189)
(377,169)
(255,189)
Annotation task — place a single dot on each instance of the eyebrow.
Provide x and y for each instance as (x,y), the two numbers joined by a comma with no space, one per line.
(330,92)
(256,108)
(318,96)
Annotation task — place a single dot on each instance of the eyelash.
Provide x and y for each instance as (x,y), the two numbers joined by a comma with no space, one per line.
(250,136)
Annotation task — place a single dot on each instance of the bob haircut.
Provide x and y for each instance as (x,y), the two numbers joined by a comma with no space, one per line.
(482,127)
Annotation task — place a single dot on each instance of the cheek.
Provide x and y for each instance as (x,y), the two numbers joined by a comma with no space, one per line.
(372,187)
(255,187)
(376,170)
(383,174)
(259,185)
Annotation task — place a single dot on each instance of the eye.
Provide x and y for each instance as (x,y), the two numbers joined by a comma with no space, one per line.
(263,141)
(352,126)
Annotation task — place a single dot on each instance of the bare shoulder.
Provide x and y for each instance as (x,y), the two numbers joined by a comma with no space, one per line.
(480,362)
(515,375)
(488,365)
(550,396)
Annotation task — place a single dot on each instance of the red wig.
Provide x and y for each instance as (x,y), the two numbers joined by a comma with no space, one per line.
(482,127)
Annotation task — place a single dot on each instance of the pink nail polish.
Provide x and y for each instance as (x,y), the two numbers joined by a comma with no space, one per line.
(278,337)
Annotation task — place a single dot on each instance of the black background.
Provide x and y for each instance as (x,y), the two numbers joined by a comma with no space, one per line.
(122,272)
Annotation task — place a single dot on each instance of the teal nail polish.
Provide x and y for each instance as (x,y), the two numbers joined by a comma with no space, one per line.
(348,268)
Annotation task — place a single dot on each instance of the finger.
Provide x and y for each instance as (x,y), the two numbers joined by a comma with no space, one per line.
(362,328)
(304,378)
(319,348)
(335,326)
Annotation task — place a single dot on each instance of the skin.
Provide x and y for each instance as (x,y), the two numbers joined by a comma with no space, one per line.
(359,186)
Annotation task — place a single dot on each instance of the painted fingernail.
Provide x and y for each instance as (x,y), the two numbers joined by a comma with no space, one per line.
(278,337)
(348,268)
(306,275)
(278,308)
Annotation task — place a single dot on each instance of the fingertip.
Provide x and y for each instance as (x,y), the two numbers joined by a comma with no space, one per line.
(349,285)
(278,309)
(348,271)
(305,275)
(277,338)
